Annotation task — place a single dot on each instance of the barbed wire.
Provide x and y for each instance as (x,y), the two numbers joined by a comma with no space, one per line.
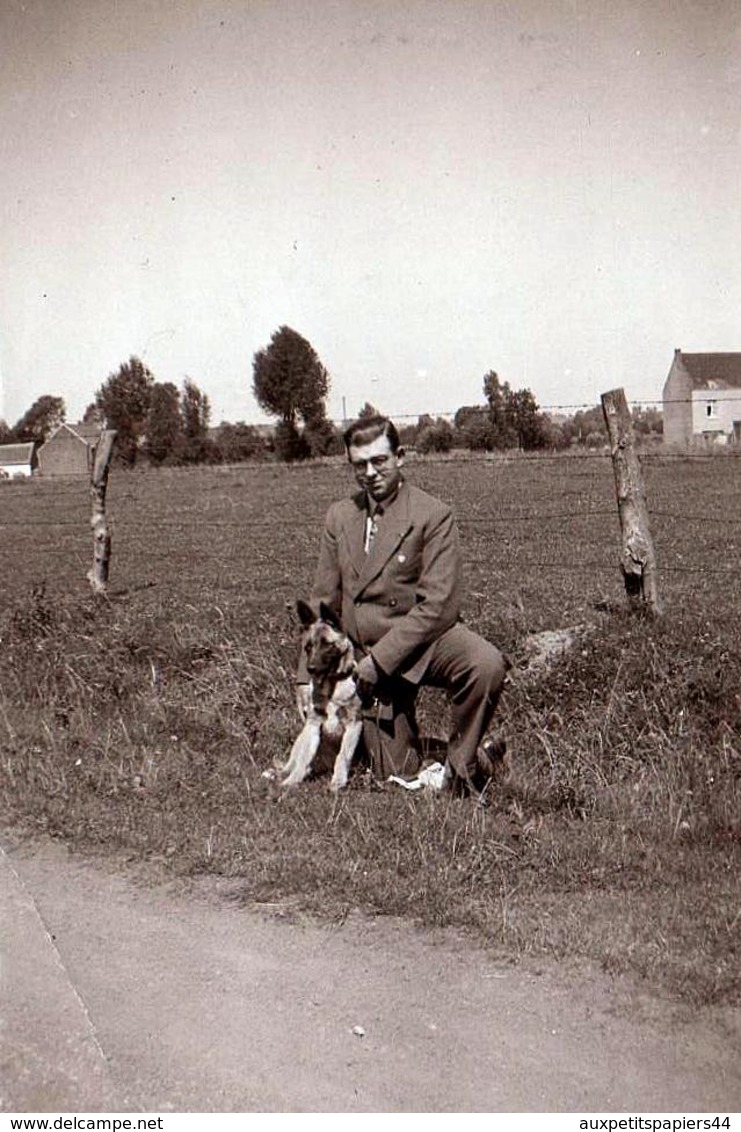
(493,460)
(312,522)
(577,406)
(309,522)
(500,456)
(613,568)
(305,526)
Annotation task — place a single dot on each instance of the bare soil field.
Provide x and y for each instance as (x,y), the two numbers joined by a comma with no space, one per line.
(143,723)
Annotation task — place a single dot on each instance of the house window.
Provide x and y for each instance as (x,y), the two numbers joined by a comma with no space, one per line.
(711,409)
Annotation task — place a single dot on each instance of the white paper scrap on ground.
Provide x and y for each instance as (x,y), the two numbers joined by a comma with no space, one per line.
(433,776)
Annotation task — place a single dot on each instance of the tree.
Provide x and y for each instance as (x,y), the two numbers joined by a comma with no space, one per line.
(530,425)
(290,444)
(514,417)
(46,414)
(322,437)
(553,432)
(6,435)
(511,419)
(499,396)
(290,382)
(408,433)
(164,423)
(195,411)
(588,427)
(240,441)
(474,429)
(93,415)
(124,400)
(647,422)
(435,437)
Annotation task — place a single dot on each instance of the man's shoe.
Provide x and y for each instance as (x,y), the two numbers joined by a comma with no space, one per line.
(491,755)
(462,786)
(490,758)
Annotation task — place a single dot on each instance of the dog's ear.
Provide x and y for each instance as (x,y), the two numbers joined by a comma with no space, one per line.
(329,616)
(306,614)
(346,663)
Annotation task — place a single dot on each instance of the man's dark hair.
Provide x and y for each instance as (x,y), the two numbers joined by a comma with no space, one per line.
(367,429)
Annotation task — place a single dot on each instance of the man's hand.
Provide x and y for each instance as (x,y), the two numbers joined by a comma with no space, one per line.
(303,700)
(366,677)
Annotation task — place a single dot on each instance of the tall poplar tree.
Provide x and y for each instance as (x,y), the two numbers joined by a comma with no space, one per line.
(290,382)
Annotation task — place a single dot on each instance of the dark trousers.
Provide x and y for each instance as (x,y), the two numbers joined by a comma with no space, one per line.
(471,671)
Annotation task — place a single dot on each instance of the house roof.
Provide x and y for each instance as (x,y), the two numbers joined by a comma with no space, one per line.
(17,453)
(84,431)
(88,430)
(712,371)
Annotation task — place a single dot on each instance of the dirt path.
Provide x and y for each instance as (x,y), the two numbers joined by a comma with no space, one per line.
(123,996)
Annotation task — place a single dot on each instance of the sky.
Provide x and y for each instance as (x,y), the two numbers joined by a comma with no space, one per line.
(426,190)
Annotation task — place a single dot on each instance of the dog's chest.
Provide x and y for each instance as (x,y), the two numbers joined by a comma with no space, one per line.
(339,708)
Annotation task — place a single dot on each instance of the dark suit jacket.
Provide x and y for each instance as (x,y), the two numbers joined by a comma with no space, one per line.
(397,600)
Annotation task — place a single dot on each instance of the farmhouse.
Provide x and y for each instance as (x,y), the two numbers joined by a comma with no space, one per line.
(17,460)
(69,450)
(702,400)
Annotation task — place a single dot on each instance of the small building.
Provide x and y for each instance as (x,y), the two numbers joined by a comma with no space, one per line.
(69,450)
(18,460)
(702,400)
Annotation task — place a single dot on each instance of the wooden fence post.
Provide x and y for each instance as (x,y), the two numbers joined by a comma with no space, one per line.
(98,573)
(637,559)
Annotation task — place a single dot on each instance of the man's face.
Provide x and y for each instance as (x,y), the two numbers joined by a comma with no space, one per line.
(377,469)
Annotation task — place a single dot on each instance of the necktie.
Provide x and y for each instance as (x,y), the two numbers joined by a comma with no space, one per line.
(371,529)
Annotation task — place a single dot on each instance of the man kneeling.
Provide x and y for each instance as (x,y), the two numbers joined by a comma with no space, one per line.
(390,568)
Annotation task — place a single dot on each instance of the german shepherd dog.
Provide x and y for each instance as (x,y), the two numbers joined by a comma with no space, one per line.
(334,719)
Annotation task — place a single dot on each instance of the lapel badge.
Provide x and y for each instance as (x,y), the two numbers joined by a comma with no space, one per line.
(401,558)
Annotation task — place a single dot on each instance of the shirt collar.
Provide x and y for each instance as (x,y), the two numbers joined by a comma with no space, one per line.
(383,505)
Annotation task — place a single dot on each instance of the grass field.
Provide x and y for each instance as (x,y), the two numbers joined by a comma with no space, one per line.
(143,723)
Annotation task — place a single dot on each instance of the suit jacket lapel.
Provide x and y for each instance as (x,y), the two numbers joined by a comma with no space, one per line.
(392,528)
(355,530)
